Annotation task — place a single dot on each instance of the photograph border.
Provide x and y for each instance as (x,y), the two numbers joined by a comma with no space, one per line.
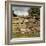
(8,19)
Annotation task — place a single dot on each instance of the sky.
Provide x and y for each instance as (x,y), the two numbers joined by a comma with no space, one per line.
(20,10)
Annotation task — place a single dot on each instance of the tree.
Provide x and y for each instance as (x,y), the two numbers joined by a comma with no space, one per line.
(34,11)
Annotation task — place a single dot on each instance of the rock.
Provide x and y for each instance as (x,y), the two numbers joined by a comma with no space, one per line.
(32,29)
(27,24)
(21,20)
(25,20)
(34,17)
(28,30)
(15,22)
(22,25)
(31,20)
(37,28)
(22,32)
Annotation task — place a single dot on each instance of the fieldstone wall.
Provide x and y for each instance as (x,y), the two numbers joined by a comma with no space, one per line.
(25,26)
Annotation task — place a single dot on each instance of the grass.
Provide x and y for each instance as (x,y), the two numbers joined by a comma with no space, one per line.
(19,35)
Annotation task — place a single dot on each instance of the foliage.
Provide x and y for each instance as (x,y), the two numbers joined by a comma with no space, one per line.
(34,11)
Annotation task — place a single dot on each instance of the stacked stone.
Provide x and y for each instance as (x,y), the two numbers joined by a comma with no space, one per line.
(25,25)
